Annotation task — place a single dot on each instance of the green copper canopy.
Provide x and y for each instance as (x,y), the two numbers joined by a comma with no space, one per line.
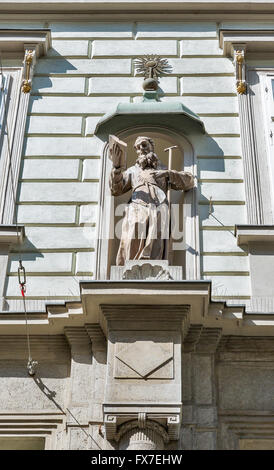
(172,115)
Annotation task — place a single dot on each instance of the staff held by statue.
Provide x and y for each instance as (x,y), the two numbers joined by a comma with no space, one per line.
(168,240)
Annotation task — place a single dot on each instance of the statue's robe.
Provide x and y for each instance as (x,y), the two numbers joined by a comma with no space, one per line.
(145,225)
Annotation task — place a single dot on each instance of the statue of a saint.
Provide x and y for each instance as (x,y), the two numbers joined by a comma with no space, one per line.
(145,226)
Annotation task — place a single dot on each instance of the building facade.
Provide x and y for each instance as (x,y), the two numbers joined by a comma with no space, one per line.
(152,355)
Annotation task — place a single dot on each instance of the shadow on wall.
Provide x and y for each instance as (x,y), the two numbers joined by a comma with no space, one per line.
(55,65)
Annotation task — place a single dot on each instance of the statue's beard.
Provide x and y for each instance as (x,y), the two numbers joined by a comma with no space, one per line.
(149,160)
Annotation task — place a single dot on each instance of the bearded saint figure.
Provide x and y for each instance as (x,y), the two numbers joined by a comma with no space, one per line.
(145,226)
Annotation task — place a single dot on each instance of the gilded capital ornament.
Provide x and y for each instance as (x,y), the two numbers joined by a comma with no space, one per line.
(28,62)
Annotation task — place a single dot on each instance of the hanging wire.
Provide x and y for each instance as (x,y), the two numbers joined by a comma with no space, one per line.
(31,364)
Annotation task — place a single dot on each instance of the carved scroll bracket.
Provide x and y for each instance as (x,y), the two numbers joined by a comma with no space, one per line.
(239,62)
(116,425)
(28,63)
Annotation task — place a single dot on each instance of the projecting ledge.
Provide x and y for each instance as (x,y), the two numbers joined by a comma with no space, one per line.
(196,294)
(11,234)
(254,233)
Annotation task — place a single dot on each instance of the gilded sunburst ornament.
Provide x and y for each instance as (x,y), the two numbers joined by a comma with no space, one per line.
(152,66)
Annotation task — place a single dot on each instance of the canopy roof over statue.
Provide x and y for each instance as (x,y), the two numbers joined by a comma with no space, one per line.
(172,115)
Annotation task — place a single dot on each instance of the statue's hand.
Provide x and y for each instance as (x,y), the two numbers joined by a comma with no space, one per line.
(116,154)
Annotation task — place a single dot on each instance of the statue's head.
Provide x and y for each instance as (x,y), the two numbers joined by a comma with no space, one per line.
(144,147)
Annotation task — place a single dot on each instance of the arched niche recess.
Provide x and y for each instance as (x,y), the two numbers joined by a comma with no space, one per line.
(186,252)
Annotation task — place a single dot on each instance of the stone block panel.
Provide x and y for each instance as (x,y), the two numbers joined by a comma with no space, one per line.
(54,125)
(207,66)
(222,191)
(74,105)
(197,47)
(59,237)
(227,215)
(219,168)
(176,29)
(44,169)
(91,169)
(46,214)
(69,48)
(63,146)
(75,85)
(46,286)
(120,85)
(83,66)
(218,146)
(59,192)
(219,241)
(202,375)
(91,30)
(221,125)
(234,379)
(225,263)
(42,262)
(131,48)
(208,85)
(209,104)
(223,286)
(85,262)
(88,214)
(91,123)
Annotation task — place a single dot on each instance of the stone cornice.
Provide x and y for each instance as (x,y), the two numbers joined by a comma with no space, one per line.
(10,234)
(134,5)
(255,40)
(254,233)
(14,40)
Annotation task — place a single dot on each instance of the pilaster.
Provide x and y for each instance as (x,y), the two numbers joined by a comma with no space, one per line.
(199,429)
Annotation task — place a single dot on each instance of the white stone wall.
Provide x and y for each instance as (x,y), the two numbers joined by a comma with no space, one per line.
(88,69)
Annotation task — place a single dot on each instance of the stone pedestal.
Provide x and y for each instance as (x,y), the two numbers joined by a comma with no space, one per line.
(143,387)
(150,270)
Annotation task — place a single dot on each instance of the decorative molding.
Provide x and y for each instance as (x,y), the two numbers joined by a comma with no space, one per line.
(135,424)
(246,344)
(10,234)
(29,62)
(255,40)
(254,233)
(18,42)
(95,333)
(239,60)
(238,44)
(169,432)
(15,41)
(202,340)
(15,346)
(77,337)
(110,424)
(25,424)
(173,426)
(192,338)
